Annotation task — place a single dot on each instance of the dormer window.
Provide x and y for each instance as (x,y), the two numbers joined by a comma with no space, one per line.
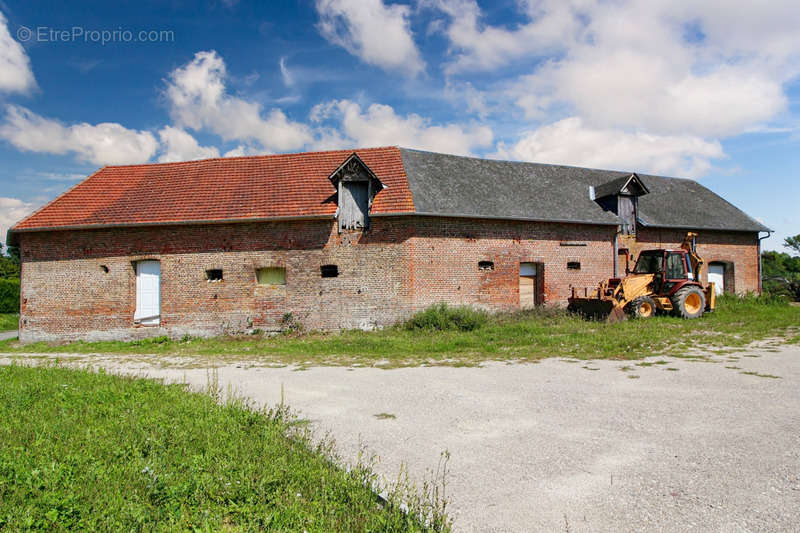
(356,187)
(621,196)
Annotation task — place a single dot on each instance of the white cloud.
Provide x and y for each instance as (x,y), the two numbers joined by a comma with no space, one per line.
(198,100)
(15,67)
(669,67)
(103,144)
(552,25)
(181,146)
(570,142)
(12,210)
(376,33)
(379,125)
(288,79)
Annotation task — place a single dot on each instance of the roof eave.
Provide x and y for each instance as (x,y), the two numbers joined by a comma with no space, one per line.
(199,222)
(709,228)
(490,217)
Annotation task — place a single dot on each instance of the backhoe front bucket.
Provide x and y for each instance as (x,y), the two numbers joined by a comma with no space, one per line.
(597,309)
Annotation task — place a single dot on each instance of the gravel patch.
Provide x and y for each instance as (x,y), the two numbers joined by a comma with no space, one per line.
(687,445)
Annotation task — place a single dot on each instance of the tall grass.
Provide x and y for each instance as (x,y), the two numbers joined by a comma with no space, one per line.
(95,452)
(526,335)
(9,321)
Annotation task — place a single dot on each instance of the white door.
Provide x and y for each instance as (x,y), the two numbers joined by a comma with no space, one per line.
(716,274)
(148,293)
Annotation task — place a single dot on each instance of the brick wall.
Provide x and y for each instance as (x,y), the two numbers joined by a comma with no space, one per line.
(66,294)
(446,253)
(403,264)
(737,250)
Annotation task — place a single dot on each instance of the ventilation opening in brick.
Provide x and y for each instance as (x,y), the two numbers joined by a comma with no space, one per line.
(104,268)
(215,274)
(573,265)
(271,276)
(329,271)
(486,265)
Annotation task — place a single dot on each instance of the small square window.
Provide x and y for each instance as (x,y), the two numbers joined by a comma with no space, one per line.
(329,271)
(271,276)
(486,265)
(573,265)
(214,274)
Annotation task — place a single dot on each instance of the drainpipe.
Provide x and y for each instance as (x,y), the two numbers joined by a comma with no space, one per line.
(760,272)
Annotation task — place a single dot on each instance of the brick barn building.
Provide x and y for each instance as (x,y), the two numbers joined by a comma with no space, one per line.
(347,239)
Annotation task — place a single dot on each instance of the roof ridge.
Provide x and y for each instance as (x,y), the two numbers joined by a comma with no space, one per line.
(253,157)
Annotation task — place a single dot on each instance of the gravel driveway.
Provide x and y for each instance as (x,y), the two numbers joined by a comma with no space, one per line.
(566,446)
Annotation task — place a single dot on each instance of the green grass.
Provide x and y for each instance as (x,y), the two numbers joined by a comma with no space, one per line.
(95,452)
(8,321)
(526,336)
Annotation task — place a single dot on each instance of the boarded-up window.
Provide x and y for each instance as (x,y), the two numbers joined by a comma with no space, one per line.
(354,205)
(271,276)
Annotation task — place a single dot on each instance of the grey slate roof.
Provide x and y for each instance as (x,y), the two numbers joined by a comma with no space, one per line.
(449,185)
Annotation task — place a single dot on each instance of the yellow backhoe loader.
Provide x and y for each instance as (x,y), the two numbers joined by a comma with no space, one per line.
(662,281)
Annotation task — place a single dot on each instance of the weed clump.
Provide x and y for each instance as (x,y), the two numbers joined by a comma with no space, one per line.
(442,317)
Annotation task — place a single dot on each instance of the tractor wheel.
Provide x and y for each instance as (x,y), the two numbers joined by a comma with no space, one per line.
(689,302)
(642,307)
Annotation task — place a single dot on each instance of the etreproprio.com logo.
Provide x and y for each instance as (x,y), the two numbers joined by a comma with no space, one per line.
(79,34)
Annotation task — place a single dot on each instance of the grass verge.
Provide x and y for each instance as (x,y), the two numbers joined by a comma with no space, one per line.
(524,336)
(8,321)
(95,452)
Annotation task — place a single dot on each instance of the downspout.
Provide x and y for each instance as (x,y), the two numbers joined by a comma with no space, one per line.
(760,271)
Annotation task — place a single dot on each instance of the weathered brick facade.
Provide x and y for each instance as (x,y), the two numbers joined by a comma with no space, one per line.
(400,265)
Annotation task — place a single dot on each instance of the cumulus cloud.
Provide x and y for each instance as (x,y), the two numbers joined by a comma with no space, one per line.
(380,125)
(15,67)
(378,34)
(571,142)
(178,145)
(103,144)
(198,100)
(476,46)
(12,210)
(711,69)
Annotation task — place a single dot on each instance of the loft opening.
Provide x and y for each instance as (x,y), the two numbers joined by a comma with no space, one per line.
(356,188)
(621,197)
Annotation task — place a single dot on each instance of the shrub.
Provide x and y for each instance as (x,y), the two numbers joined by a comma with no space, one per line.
(736,301)
(9,296)
(441,317)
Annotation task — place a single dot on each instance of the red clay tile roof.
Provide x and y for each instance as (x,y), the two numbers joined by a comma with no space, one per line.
(239,188)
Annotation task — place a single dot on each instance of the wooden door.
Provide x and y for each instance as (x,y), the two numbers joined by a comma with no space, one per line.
(527,285)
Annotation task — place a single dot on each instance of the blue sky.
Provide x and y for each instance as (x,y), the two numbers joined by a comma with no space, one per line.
(671,87)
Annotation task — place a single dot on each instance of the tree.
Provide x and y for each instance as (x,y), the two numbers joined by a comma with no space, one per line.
(793,243)
(9,264)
